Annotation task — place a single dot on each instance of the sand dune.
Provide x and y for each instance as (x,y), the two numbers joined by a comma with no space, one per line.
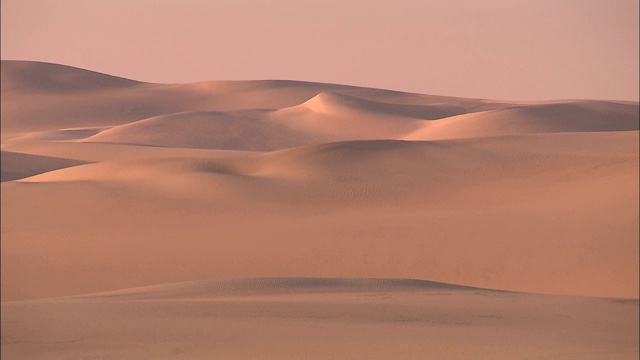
(327,102)
(336,117)
(53,107)
(274,286)
(319,319)
(331,117)
(17,166)
(62,134)
(37,76)
(356,113)
(240,130)
(309,194)
(324,118)
(570,116)
(99,152)
(415,193)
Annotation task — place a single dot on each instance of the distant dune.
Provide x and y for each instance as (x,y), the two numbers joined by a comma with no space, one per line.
(570,116)
(301,215)
(53,107)
(47,77)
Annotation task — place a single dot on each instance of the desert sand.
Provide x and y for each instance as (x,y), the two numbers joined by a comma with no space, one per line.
(284,219)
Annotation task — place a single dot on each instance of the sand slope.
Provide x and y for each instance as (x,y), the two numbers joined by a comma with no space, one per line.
(319,319)
(570,116)
(38,76)
(17,166)
(393,208)
(312,192)
(237,130)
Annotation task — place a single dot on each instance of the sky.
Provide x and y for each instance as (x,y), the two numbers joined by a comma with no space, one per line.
(492,49)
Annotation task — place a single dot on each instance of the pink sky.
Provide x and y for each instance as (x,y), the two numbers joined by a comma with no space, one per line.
(499,49)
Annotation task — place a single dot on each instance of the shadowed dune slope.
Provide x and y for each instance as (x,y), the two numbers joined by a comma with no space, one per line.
(17,166)
(264,286)
(240,130)
(61,135)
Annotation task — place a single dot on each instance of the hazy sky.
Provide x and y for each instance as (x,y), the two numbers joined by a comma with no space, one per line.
(500,49)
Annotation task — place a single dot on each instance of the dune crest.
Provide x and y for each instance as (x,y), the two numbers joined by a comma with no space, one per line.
(281,285)
(40,76)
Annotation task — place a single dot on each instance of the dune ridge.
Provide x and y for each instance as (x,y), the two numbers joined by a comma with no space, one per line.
(279,285)
(41,76)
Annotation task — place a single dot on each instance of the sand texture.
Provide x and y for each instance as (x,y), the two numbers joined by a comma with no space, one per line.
(281,219)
